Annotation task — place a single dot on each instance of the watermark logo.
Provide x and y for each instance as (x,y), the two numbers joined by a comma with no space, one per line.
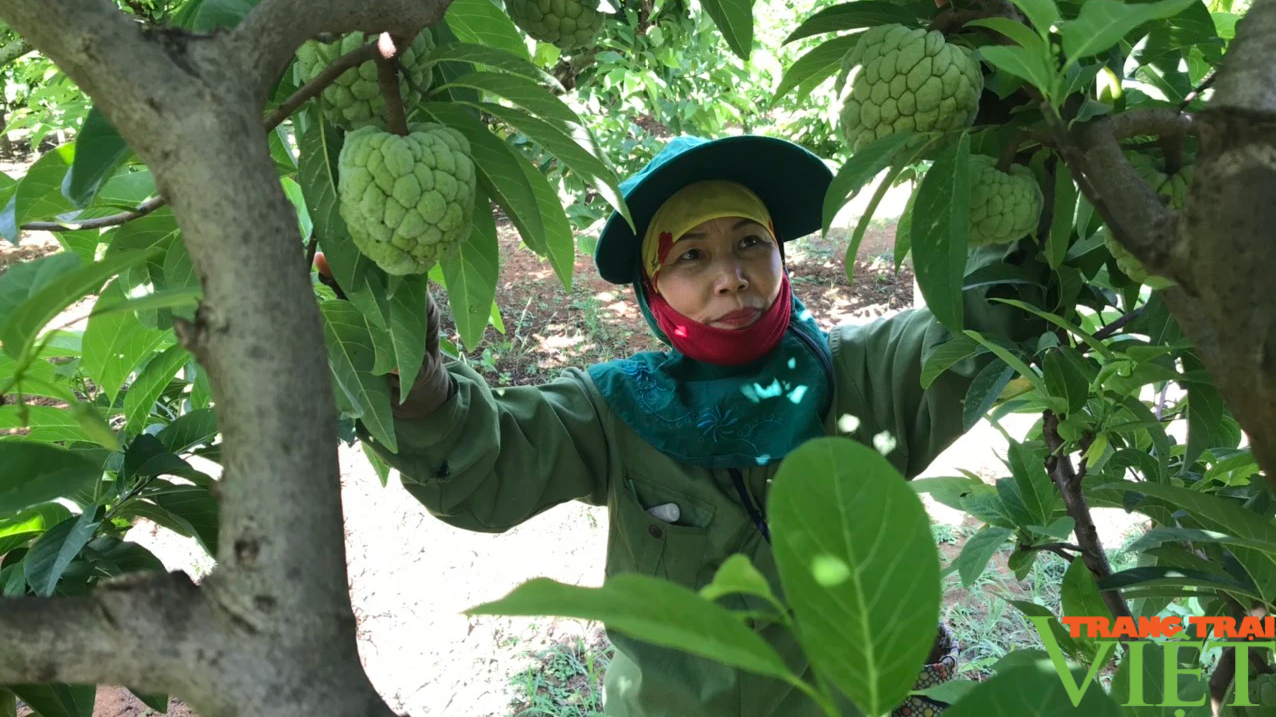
(1200,633)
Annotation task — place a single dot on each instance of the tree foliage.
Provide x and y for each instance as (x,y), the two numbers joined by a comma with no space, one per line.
(122,420)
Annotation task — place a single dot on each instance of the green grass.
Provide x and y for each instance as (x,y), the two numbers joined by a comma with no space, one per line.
(564,680)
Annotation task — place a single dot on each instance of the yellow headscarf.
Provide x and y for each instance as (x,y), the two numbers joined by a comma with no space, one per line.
(691,206)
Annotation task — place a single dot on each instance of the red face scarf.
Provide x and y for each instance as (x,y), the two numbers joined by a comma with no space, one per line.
(725,347)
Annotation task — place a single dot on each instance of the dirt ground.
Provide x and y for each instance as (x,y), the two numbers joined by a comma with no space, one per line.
(411,576)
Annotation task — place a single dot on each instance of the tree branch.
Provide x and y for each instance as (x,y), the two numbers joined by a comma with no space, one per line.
(142,210)
(1068,483)
(14,50)
(354,58)
(1131,209)
(1248,80)
(1119,323)
(156,621)
(1156,121)
(388,80)
(267,38)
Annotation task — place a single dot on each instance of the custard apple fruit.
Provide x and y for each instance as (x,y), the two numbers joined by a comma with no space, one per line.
(569,24)
(355,99)
(1173,190)
(1262,692)
(1004,206)
(909,79)
(406,200)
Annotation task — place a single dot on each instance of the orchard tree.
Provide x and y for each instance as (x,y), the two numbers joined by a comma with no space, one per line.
(1122,155)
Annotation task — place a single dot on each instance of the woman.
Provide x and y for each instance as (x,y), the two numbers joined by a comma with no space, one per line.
(681,445)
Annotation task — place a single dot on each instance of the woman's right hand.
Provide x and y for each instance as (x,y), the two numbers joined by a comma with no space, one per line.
(433,385)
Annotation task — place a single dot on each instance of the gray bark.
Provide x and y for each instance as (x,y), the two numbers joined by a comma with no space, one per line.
(271,630)
(1221,249)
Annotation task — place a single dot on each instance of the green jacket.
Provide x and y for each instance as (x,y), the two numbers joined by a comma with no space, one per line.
(490,459)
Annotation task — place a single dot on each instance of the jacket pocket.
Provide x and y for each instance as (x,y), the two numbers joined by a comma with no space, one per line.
(648,545)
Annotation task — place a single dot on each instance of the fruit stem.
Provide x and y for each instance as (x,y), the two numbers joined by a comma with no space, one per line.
(388,79)
(1012,148)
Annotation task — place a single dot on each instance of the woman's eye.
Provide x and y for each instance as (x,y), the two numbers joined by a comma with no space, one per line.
(690,255)
(752,240)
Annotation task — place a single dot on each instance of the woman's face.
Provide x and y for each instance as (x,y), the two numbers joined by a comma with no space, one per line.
(724,272)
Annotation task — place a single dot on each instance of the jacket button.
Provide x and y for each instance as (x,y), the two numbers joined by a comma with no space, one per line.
(655,531)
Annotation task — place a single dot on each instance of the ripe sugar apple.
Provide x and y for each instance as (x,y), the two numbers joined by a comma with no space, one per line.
(407,200)
(909,79)
(354,100)
(1173,190)
(566,23)
(1004,206)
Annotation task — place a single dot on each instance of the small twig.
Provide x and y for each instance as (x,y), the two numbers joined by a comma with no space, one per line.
(388,79)
(1068,483)
(1012,148)
(354,58)
(310,89)
(1205,85)
(142,210)
(1119,323)
(1060,549)
(312,247)
(1160,401)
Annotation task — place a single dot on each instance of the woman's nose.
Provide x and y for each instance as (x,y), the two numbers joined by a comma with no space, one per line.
(731,277)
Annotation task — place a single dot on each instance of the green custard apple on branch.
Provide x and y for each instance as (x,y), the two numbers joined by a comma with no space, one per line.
(407,200)
(909,79)
(1172,188)
(1004,206)
(569,24)
(1262,693)
(354,100)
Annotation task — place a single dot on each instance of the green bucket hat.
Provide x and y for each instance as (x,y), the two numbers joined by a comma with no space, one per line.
(790,180)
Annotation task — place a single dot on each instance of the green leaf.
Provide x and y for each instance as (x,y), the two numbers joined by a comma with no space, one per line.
(1223,515)
(470,276)
(1065,380)
(1014,30)
(19,332)
(1011,360)
(521,91)
(17,531)
(39,194)
(54,551)
(159,703)
(32,473)
(737,575)
(734,19)
(862,167)
(1065,202)
(189,430)
(1059,529)
(560,242)
(813,68)
(8,703)
(145,391)
(653,610)
(482,22)
(945,356)
(984,503)
(1033,689)
(1079,593)
(861,227)
(24,280)
(1021,62)
(359,277)
(983,392)
(167,299)
(58,700)
(1102,23)
(839,502)
(495,57)
(381,468)
(939,228)
(48,424)
(408,327)
(854,15)
(351,356)
(1041,13)
(214,14)
(196,506)
(117,343)
(567,150)
(978,550)
(1205,412)
(499,173)
(164,518)
(1172,576)
(99,152)
(1027,465)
